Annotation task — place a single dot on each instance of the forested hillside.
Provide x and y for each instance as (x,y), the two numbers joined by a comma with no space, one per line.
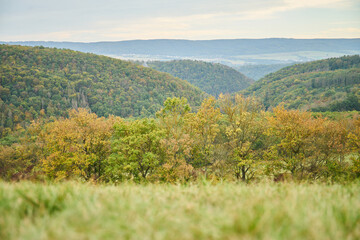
(326,85)
(257,71)
(37,81)
(213,78)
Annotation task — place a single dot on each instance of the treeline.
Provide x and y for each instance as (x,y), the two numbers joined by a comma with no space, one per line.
(318,85)
(42,82)
(350,103)
(212,78)
(232,138)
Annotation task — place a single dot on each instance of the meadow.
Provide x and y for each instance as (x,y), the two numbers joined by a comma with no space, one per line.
(73,210)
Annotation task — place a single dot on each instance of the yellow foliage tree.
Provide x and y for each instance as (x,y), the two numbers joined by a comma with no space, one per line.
(177,142)
(77,146)
(306,147)
(245,126)
(204,128)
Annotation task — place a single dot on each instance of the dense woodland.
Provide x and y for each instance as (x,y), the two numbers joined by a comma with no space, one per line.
(326,85)
(41,82)
(236,141)
(212,78)
(69,115)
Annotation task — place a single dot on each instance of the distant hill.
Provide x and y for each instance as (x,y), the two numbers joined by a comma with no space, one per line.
(325,85)
(38,81)
(212,78)
(227,51)
(257,71)
(226,47)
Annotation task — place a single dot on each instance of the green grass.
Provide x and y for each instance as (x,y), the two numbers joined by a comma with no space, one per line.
(199,211)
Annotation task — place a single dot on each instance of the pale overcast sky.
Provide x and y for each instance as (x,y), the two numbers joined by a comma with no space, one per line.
(113,20)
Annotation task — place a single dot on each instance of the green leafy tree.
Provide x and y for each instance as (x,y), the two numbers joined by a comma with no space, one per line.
(137,150)
(177,142)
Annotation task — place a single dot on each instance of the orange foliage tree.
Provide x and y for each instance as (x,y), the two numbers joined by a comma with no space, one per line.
(77,146)
(306,147)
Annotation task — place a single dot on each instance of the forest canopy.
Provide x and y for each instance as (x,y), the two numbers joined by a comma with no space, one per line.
(325,85)
(42,82)
(212,78)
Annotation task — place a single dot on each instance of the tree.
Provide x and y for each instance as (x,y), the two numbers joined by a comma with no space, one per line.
(245,126)
(354,144)
(204,128)
(306,147)
(77,146)
(137,150)
(177,142)
(21,152)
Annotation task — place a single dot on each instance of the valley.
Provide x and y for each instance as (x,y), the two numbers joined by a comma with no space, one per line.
(180,120)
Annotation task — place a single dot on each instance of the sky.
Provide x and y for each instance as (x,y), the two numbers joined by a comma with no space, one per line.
(115,20)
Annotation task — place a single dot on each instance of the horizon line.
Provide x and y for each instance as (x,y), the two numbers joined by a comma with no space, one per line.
(179,39)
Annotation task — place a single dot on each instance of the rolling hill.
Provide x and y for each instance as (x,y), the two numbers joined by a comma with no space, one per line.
(38,81)
(325,85)
(226,51)
(258,71)
(212,78)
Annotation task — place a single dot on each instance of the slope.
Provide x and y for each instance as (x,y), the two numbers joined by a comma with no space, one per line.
(331,84)
(258,71)
(212,78)
(38,81)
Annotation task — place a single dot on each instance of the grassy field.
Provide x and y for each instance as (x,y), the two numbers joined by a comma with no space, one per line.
(200,211)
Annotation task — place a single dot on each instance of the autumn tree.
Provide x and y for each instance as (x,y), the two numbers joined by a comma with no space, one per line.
(21,152)
(245,126)
(77,146)
(306,147)
(328,158)
(204,128)
(354,145)
(177,142)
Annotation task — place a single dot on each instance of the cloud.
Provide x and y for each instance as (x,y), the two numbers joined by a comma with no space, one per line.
(201,26)
(290,5)
(339,33)
(204,19)
(52,36)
